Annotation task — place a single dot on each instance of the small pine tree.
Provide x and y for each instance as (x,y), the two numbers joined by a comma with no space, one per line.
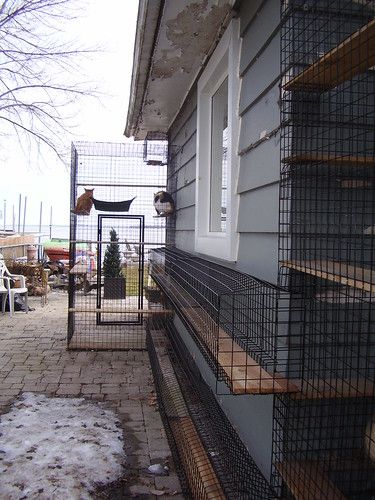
(112,259)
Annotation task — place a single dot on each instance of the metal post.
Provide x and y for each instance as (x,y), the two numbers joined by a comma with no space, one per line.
(5,213)
(14,219)
(50,224)
(19,213)
(40,230)
(24,215)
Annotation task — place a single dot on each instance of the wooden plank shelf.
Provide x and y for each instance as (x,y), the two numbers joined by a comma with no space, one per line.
(331,159)
(307,481)
(197,466)
(353,56)
(334,388)
(338,272)
(244,374)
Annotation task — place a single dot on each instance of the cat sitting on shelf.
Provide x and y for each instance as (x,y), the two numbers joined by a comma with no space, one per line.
(84,203)
(163,203)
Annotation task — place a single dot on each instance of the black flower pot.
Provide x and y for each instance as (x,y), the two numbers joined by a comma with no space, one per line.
(114,288)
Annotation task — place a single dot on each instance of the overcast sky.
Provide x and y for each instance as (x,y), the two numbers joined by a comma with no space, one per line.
(109,25)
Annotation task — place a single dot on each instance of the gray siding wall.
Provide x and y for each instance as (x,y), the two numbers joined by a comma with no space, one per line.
(258,185)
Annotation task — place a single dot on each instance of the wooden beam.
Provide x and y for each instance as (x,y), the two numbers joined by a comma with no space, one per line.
(245,375)
(200,474)
(338,272)
(353,56)
(331,159)
(334,388)
(95,310)
(307,481)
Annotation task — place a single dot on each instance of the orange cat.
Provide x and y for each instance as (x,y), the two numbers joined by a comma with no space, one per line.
(84,203)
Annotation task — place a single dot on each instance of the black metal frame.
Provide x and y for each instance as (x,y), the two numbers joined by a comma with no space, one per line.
(141,260)
(327,249)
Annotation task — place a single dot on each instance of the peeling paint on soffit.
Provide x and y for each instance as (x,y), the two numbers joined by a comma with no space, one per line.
(187,33)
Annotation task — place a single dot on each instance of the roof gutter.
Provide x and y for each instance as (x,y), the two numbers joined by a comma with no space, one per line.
(149,14)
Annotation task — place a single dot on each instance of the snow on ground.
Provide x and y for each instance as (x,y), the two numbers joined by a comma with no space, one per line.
(58,448)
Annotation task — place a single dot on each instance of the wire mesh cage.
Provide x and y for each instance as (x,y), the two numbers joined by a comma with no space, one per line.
(236,320)
(323,445)
(216,462)
(112,229)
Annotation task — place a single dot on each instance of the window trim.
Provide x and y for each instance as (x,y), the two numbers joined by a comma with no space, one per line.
(223,63)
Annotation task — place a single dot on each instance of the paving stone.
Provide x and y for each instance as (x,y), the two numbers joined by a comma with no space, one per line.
(33,357)
(170,483)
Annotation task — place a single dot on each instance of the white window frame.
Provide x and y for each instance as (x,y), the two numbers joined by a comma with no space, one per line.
(223,63)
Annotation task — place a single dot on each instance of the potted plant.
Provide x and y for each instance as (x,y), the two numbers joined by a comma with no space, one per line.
(114,281)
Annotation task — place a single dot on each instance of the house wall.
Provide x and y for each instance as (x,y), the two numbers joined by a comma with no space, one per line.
(258,175)
(258,180)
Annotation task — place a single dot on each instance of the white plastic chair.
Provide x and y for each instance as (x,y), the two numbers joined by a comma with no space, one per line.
(9,293)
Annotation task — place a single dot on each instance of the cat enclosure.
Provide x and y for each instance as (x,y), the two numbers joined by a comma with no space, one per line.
(109,293)
(324,436)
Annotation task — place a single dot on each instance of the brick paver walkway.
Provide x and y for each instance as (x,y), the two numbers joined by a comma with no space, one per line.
(33,357)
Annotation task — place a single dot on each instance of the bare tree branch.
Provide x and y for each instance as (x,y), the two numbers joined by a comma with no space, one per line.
(36,67)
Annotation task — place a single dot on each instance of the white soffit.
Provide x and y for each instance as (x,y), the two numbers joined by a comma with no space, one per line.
(188,32)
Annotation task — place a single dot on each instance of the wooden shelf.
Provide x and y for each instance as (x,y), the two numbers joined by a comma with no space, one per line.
(330,159)
(334,388)
(244,374)
(307,481)
(353,56)
(197,466)
(338,272)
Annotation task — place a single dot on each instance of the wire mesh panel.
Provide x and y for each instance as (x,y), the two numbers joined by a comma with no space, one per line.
(191,408)
(327,218)
(235,319)
(113,228)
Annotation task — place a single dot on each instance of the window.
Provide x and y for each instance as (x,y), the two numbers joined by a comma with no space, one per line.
(217,162)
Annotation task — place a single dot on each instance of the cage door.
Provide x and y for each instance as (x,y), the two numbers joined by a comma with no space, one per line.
(120,272)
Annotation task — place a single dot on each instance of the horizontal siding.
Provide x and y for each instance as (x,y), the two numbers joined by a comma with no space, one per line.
(260,165)
(264,116)
(256,37)
(259,210)
(186,175)
(263,73)
(248,13)
(185,219)
(185,240)
(183,151)
(258,255)
(185,197)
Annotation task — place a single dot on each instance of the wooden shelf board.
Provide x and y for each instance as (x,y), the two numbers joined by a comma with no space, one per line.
(334,388)
(197,466)
(353,56)
(307,481)
(330,159)
(338,272)
(245,375)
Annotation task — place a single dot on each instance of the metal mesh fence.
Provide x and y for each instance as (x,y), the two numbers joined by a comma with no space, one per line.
(323,436)
(110,241)
(215,461)
(236,320)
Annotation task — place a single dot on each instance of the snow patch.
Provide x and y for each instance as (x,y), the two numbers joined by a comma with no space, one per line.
(58,448)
